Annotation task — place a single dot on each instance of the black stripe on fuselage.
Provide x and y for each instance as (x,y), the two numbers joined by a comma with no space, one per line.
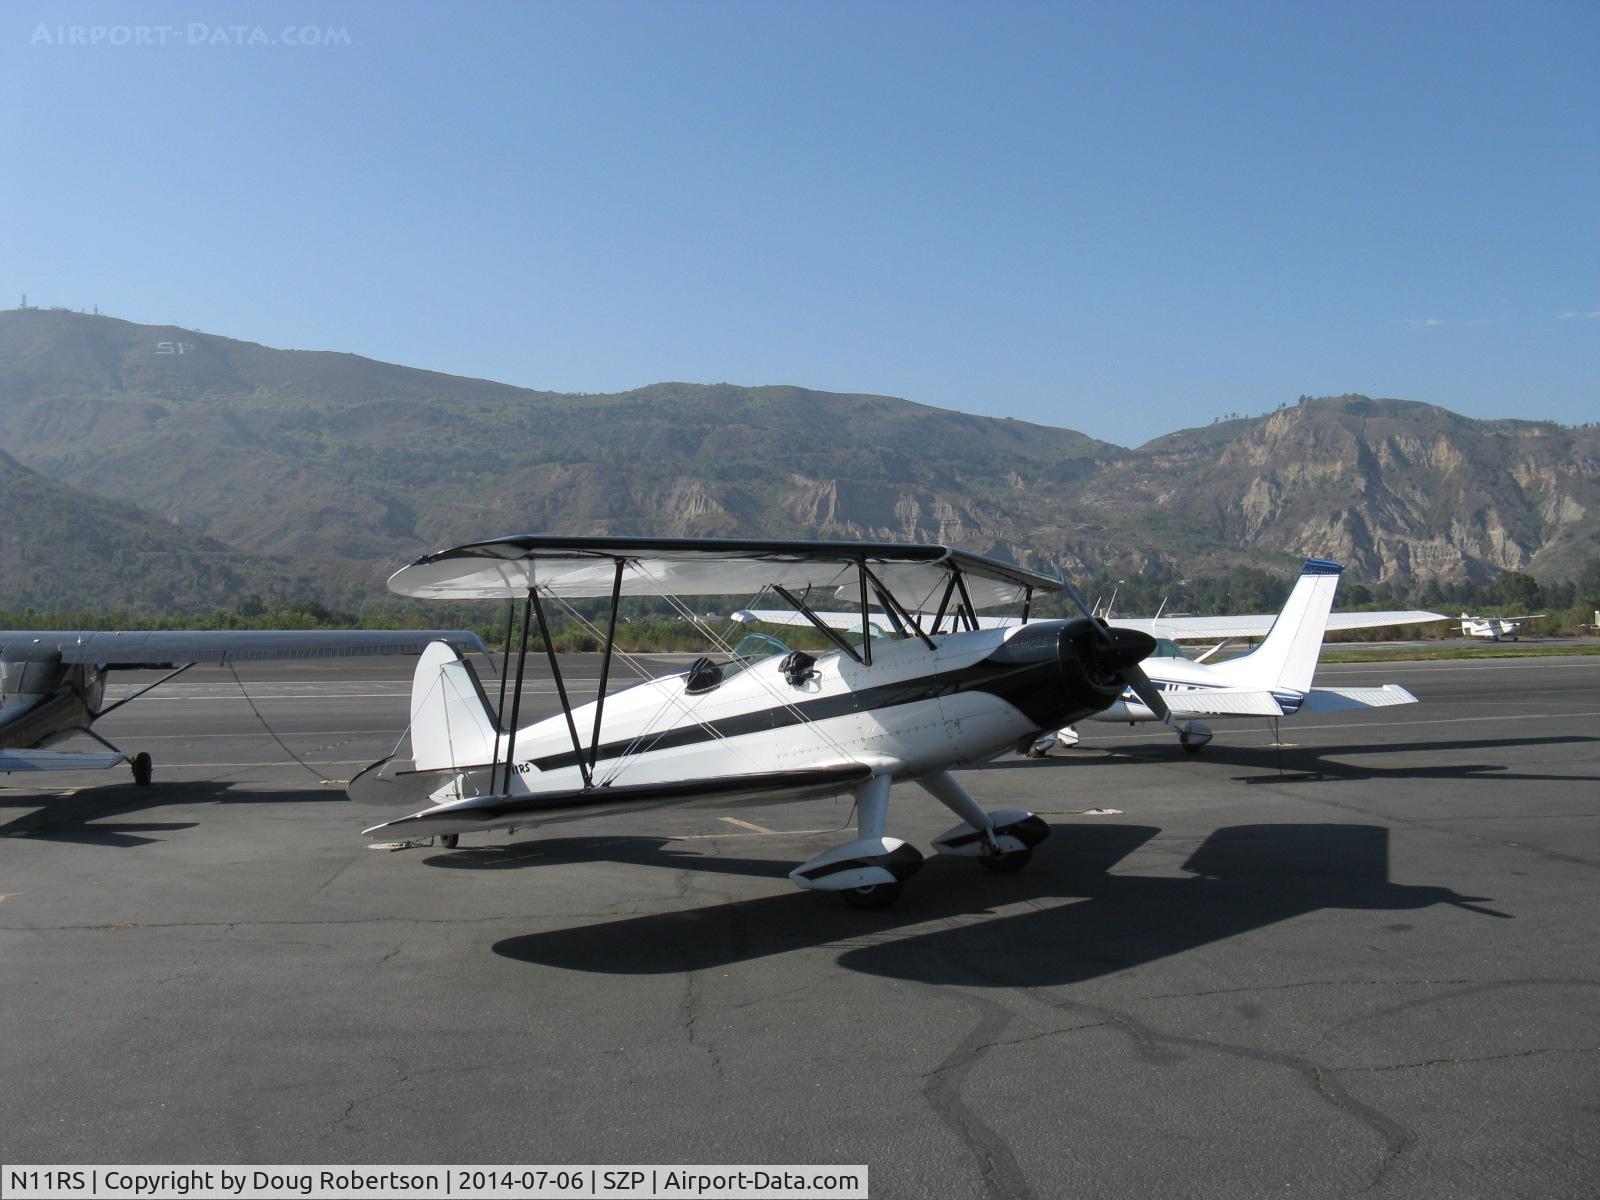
(1027,686)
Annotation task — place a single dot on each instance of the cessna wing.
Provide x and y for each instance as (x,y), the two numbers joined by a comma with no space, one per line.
(159,648)
(1188,629)
(1176,629)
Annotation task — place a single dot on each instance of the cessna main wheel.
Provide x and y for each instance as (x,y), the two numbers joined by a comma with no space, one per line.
(873,898)
(143,768)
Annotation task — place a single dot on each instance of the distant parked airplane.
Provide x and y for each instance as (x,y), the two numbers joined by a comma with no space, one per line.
(53,682)
(1495,628)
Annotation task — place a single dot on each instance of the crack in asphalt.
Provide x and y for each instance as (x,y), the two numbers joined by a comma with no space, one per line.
(1155,1046)
(692,1013)
(1473,990)
(1397,1137)
(1483,1058)
(998,1169)
(1308,983)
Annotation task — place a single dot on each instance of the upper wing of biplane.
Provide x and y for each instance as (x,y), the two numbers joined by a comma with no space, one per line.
(583,567)
(158,648)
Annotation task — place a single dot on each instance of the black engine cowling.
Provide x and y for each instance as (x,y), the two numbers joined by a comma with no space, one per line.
(1087,667)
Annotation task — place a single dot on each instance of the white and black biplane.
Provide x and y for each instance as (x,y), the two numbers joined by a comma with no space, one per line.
(767,722)
(53,682)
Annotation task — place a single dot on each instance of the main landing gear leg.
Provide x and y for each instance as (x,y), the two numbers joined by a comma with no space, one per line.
(1002,841)
(868,872)
(143,765)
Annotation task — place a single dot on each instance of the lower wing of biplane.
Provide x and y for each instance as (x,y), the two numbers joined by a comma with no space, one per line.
(766,722)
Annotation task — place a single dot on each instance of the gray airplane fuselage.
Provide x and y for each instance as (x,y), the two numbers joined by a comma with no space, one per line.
(43,701)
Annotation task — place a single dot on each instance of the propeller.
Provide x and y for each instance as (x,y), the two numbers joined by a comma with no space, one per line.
(1131,673)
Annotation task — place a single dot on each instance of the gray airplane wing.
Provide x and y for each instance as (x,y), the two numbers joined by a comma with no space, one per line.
(157,648)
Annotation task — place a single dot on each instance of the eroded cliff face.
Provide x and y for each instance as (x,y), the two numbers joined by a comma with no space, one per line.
(1394,489)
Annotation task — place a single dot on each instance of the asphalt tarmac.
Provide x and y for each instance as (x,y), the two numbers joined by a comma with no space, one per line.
(1364,962)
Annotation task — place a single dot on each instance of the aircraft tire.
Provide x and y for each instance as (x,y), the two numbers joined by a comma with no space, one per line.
(874,898)
(1192,747)
(143,769)
(449,840)
(1008,863)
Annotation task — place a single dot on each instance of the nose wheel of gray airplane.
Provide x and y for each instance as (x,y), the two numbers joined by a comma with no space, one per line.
(143,768)
(874,898)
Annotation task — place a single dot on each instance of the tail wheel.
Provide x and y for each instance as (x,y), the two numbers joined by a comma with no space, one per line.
(1009,862)
(143,769)
(874,898)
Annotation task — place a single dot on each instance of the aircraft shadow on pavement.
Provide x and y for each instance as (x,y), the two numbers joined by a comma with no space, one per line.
(83,816)
(1304,763)
(642,851)
(1242,878)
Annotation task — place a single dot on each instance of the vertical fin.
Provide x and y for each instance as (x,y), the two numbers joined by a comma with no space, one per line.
(451,723)
(1287,657)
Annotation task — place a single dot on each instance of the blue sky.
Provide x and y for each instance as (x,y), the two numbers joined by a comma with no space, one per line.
(1120,218)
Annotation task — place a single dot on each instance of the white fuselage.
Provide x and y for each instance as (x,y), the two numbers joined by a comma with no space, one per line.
(1492,628)
(911,712)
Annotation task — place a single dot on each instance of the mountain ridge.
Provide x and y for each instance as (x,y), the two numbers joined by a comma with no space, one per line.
(348,466)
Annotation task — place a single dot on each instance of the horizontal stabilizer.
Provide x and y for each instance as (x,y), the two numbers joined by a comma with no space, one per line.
(1223,702)
(391,782)
(1328,700)
(52,760)
(489,812)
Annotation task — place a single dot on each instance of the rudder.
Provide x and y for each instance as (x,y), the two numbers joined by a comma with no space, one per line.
(451,723)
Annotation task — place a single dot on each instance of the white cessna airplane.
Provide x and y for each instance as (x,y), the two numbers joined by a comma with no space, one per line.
(1273,680)
(53,682)
(1495,628)
(768,723)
